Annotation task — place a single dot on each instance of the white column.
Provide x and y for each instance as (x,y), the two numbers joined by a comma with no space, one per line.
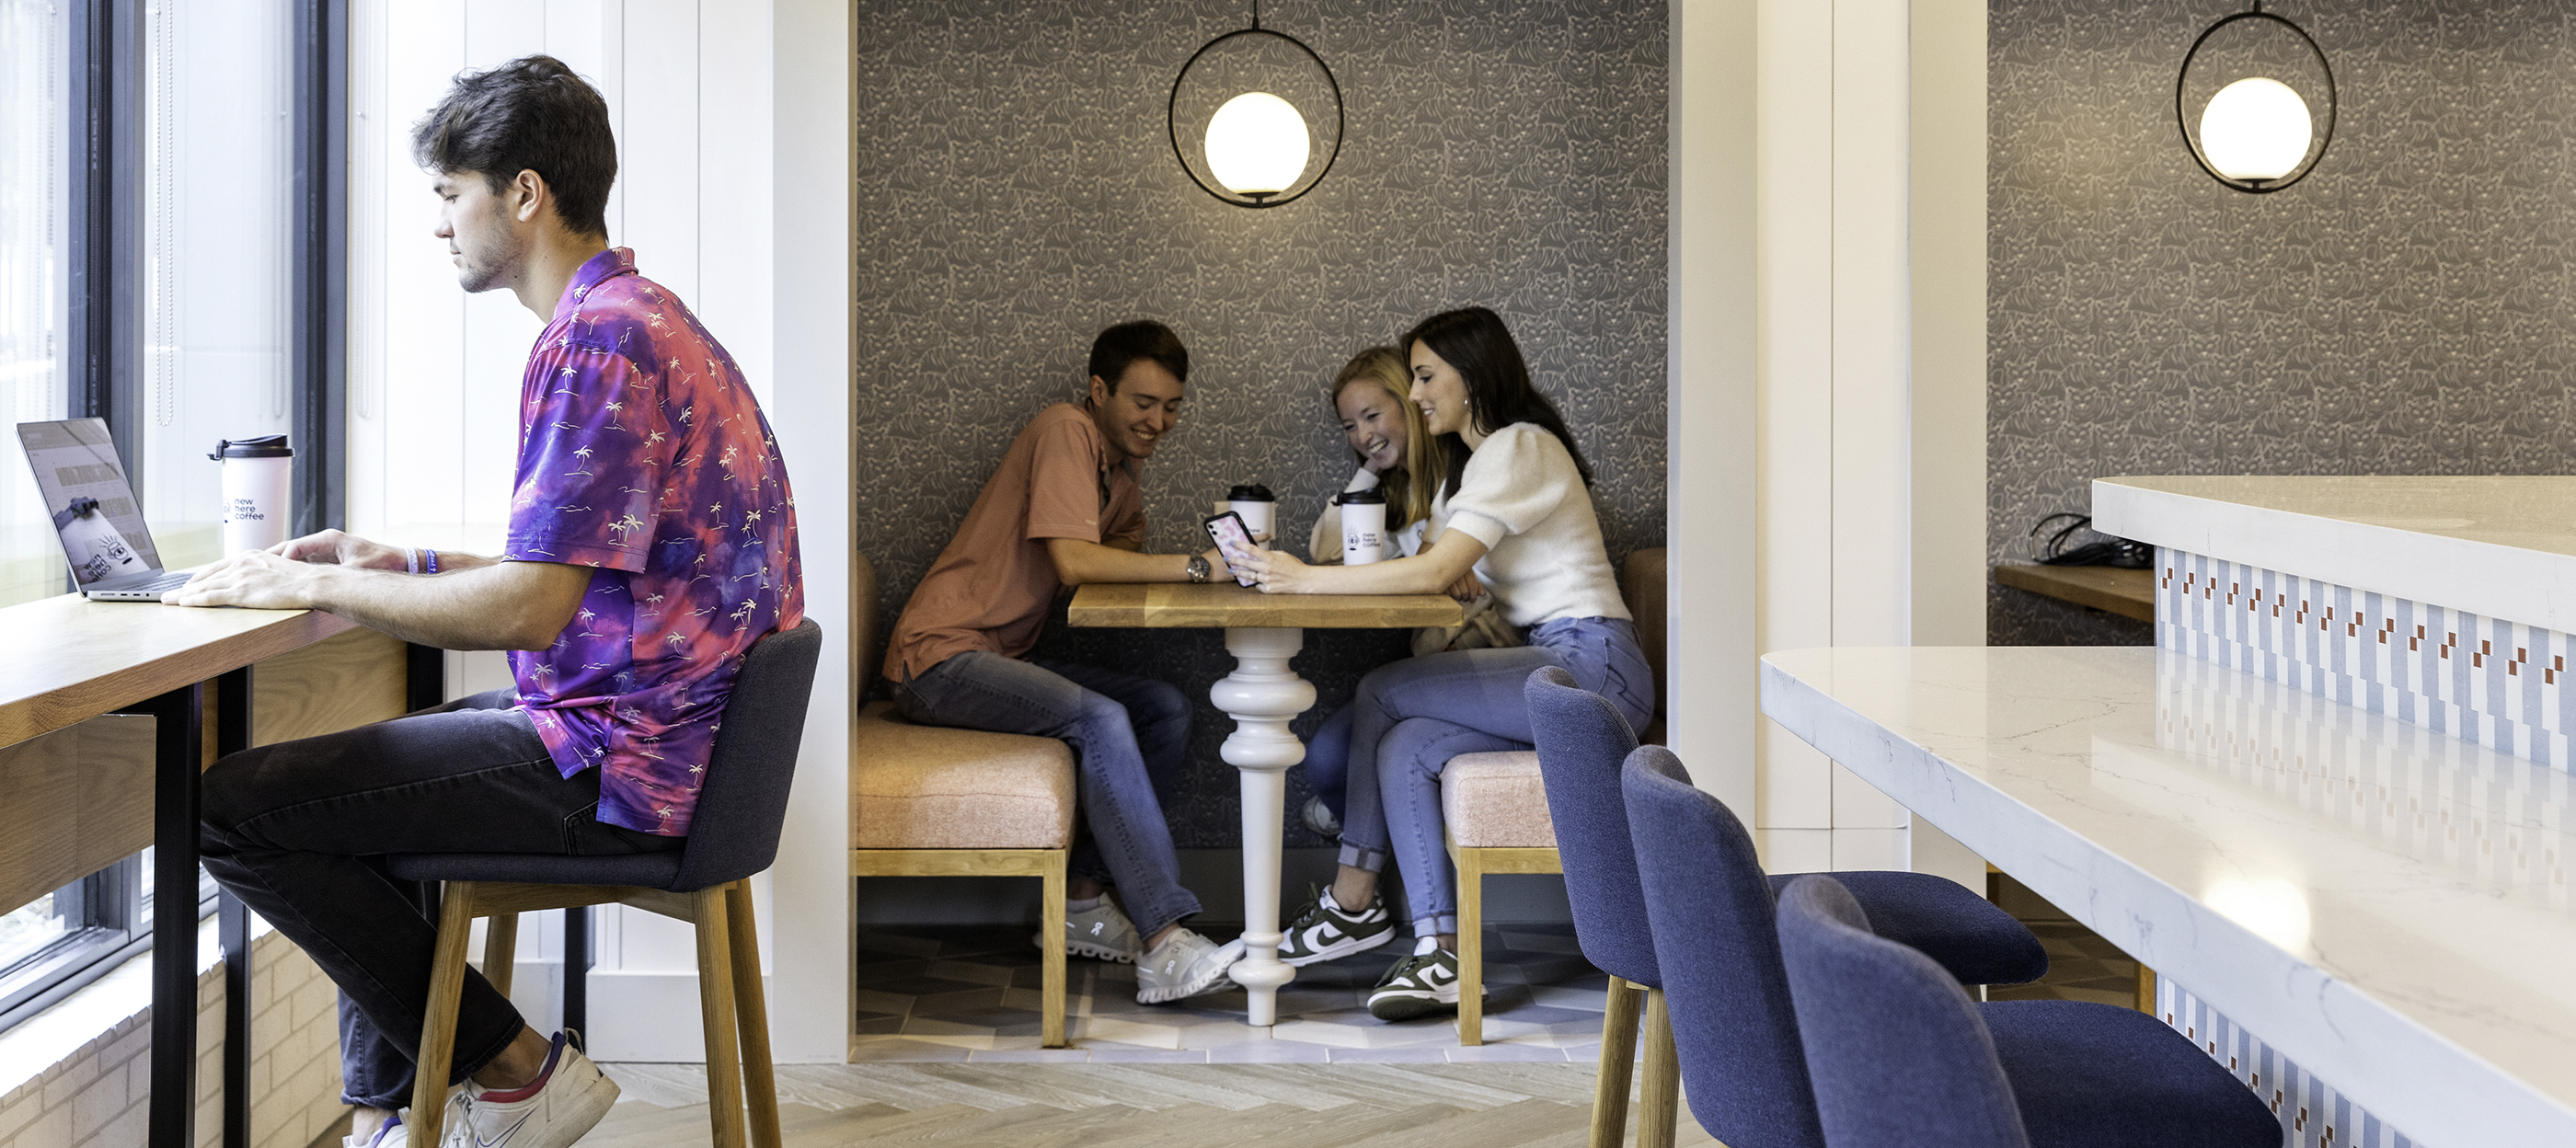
(1262,695)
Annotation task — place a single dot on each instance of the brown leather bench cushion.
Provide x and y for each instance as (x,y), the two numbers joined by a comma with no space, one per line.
(1496,801)
(922,787)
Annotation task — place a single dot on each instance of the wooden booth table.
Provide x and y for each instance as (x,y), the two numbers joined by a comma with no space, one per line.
(1263,695)
(73,660)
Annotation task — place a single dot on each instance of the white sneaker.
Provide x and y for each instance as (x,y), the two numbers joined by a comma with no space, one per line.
(391,1134)
(1101,932)
(1184,965)
(566,1102)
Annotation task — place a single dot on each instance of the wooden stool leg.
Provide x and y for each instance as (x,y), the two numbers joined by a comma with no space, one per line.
(1660,1092)
(1471,946)
(1051,953)
(438,1021)
(751,1010)
(1618,1064)
(501,951)
(715,1008)
(2146,989)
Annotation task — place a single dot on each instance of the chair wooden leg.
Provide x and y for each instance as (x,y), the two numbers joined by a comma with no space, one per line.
(1051,954)
(715,1011)
(751,1012)
(501,951)
(1618,1064)
(1660,1091)
(1471,946)
(438,1020)
(2146,989)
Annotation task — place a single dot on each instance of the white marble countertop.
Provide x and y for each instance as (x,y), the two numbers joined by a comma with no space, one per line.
(2500,546)
(2386,905)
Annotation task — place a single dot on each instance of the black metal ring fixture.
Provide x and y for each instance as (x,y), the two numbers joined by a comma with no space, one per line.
(1171,115)
(2183,124)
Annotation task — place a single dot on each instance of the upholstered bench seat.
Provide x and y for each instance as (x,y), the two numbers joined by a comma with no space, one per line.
(925,787)
(1496,801)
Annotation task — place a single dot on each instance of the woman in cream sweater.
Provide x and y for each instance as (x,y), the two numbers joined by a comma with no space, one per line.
(1516,512)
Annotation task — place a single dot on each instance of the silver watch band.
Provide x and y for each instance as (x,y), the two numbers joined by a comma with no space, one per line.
(1199,568)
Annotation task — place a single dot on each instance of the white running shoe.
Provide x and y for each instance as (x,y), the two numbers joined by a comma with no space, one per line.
(1101,932)
(1185,965)
(391,1134)
(568,1099)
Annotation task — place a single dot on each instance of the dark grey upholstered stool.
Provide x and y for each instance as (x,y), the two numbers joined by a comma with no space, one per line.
(1899,1055)
(1581,742)
(741,810)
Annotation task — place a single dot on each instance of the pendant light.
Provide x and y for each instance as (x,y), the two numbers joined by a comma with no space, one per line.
(1258,149)
(2256,134)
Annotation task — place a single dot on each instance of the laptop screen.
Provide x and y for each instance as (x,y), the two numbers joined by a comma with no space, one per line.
(85,492)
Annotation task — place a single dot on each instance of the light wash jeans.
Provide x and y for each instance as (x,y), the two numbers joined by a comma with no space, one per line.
(1128,734)
(1411,717)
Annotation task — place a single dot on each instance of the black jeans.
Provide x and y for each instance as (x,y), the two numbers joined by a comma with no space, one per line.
(298,831)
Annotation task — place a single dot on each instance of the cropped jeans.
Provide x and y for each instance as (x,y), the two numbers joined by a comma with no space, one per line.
(1411,717)
(1128,734)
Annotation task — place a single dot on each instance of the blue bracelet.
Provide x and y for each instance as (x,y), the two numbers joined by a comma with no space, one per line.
(428,560)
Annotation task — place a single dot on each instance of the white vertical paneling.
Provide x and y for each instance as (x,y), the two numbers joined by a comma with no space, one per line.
(1712,387)
(612,87)
(1795,850)
(1946,241)
(1872,432)
(576,33)
(1794,348)
(1871,849)
(1859,805)
(733,174)
(661,142)
(423,339)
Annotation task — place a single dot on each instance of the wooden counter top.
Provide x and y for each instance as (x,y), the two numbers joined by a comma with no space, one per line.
(2128,593)
(73,659)
(1181,605)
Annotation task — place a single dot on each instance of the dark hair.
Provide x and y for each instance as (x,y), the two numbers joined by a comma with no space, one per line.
(1143,339)
(531,114)
(1499,392)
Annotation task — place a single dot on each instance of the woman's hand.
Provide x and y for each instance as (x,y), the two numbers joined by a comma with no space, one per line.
(1467,588)
(1275,571)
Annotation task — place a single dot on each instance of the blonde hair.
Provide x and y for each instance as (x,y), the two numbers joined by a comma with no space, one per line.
(1408,488)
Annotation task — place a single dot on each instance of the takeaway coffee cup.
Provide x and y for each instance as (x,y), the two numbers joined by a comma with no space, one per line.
(1363,526)
(258,480)
(1260,511)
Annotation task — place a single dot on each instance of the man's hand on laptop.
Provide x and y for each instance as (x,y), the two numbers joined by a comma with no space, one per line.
(340,548)
(256,579)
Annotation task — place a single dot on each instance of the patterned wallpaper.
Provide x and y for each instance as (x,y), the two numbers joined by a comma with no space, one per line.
(1017,192)
(2407,309)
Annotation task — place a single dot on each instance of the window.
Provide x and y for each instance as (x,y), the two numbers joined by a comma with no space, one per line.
(215,290)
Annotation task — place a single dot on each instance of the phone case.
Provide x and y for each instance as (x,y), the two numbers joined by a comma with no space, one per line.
(1227,530)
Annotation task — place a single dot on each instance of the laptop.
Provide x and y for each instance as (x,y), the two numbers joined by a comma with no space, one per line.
(84,488)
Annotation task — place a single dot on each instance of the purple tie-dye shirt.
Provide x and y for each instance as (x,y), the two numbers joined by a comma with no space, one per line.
(643,453)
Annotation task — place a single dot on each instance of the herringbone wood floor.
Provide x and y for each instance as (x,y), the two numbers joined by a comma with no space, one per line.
(1494,1105)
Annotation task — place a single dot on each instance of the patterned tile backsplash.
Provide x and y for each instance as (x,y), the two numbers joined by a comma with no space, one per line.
(2312,1113)
(2487,681)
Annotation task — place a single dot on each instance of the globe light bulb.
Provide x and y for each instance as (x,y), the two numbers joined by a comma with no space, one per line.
(2255,129)
(1257,145)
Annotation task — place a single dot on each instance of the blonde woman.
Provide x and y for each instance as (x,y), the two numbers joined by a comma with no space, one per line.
(1397,455)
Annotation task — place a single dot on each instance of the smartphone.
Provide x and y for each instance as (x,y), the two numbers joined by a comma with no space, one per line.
(1231,536)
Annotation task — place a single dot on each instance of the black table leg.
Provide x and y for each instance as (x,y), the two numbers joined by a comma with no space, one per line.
(178,751)
(232,927)
(576,964)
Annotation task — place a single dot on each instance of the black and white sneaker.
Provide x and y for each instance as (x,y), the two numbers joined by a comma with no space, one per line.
(1325,930)
(1418,985)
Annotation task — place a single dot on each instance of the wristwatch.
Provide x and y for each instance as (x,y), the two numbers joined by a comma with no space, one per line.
(1199,568)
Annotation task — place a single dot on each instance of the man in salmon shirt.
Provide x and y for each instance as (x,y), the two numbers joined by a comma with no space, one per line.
(652,540)
(1063,509)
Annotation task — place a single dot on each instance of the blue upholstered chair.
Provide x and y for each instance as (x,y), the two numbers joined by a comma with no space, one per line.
(1899,1056)
(1581,742)
(741,810)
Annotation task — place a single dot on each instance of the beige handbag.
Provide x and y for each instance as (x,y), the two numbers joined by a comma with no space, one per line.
(1484,628)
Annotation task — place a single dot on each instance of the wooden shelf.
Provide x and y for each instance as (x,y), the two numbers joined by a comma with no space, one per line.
(2128,593)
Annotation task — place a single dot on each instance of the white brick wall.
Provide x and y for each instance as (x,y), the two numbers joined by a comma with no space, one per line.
(96,1097)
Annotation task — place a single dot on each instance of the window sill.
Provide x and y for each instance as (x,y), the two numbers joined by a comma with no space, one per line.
(93,1017)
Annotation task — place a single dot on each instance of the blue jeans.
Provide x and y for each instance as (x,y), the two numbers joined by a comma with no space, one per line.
(1411,717)
(1328,761)
(1127,733)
